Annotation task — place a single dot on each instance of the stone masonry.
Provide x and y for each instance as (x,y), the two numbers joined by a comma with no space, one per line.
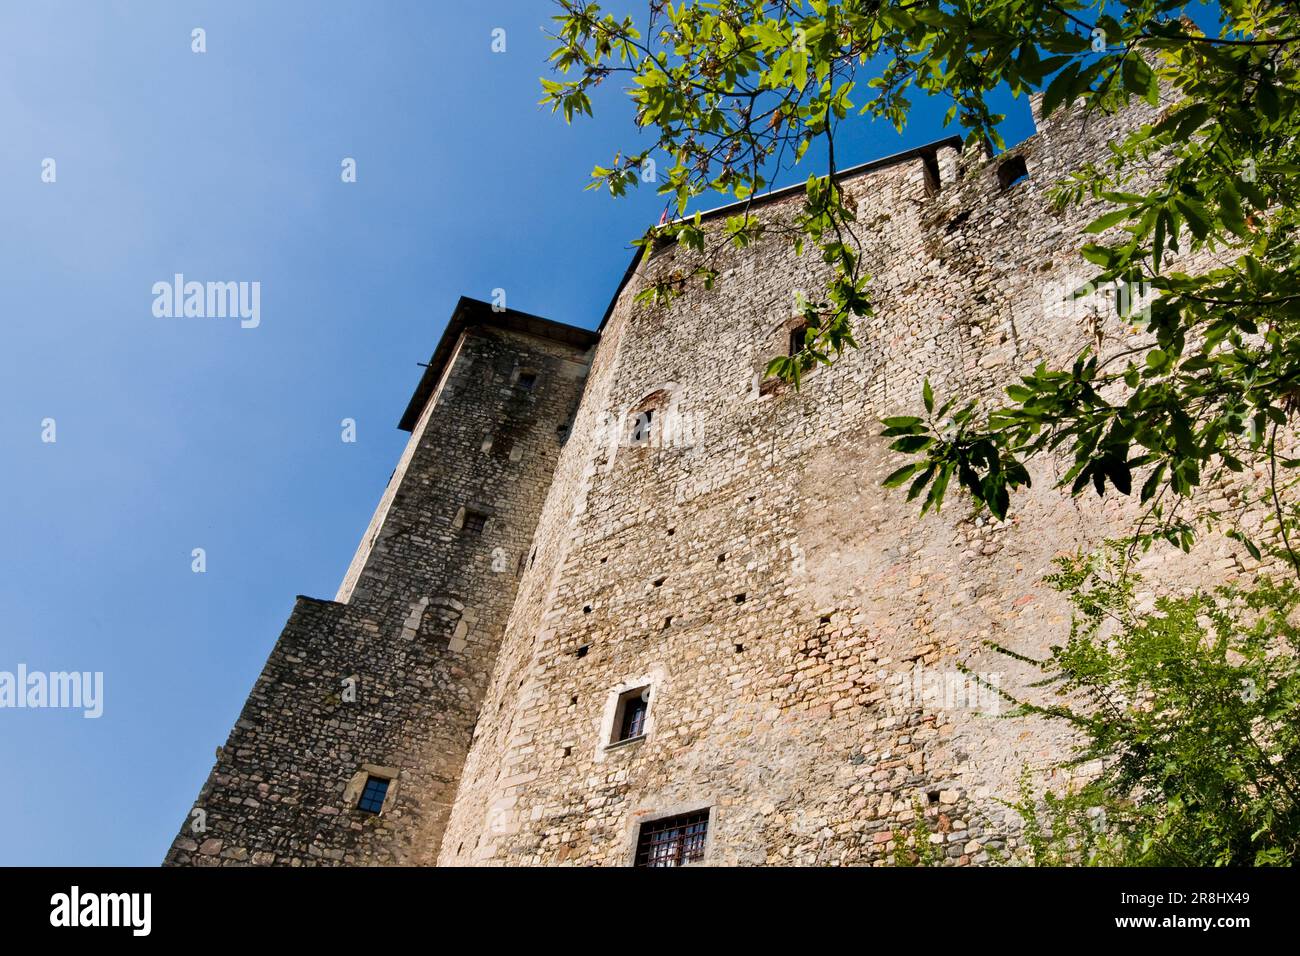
(663,524)
(389,677)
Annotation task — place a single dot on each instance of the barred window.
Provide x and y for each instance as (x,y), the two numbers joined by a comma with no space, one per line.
(372,797)
(673,841)
(475,522)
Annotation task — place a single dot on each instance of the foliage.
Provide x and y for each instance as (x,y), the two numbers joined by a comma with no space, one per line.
(914,847)
(1189,710)
(1064,830)
(737,90)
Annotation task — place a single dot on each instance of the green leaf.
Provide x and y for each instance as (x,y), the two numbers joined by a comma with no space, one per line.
(896,478)
(901,421)
(1102,223)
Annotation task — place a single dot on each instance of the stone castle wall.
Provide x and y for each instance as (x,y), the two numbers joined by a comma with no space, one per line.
(798,627)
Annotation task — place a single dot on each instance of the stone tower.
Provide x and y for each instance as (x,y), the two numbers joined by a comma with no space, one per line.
(385,682)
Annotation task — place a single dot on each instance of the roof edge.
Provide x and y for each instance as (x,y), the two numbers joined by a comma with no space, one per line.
(469,313)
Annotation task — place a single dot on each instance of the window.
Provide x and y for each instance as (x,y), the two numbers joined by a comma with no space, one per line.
(372,797)
(661,244)
(672,841)
(633,723)
(1012,171)
(527,380)
(798,336)
(930,164)
(630,718)
(640,433)
(640,429)
(475,522)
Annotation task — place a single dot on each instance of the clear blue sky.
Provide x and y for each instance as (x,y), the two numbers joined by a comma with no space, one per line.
(174,434)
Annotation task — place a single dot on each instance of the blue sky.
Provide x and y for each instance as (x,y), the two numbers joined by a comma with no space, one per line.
(175,434)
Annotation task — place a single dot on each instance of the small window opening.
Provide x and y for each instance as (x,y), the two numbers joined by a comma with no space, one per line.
(527,381)
(373,794)
(668,622)
(641,422)
(721,558)
(826,618)
(740,648)
(798,339)
(739,598)
(661,244)
(1012,171)
(630,719)
(659,582)
(474,523)
(930,164)
(932,796)
(586,609)
(567,751)
(582,651)
(573,699)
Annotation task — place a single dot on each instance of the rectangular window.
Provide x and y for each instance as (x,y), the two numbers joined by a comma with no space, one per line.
(630,717)
(527,381)
(474,523)
(672,841)
(372,797)
(931,166)
(797,339)
(633,724)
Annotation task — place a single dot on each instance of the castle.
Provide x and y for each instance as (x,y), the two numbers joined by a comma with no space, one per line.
(625,601)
